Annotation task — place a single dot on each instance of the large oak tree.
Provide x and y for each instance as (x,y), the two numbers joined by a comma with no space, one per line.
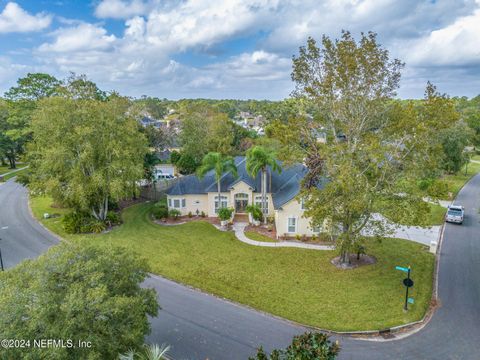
(86,153)
(376,147)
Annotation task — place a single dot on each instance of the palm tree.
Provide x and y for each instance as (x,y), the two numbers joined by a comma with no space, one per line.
(259,159)
(150,352)
(220,164)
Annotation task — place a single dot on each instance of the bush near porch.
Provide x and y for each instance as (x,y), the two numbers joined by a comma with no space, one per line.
(297,284)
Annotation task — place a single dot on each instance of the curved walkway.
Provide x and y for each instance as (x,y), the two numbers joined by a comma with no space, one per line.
(199,325)
(239,229)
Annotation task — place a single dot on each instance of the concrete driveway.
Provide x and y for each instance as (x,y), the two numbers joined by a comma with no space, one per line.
(198,325)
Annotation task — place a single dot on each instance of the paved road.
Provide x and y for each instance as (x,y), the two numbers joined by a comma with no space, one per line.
(200,326)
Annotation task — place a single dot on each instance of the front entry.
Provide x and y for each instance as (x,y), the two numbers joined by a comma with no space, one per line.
(241,202)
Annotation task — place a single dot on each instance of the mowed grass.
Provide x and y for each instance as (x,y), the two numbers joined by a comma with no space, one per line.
(436,216)
(4,169)
(12,172)
(297,284)
(258,237)
(456,182)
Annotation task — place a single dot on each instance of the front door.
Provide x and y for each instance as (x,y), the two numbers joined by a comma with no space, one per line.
(241,202)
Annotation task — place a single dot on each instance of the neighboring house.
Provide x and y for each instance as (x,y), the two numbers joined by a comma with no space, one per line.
(162,170)
(191,194)
(251,122)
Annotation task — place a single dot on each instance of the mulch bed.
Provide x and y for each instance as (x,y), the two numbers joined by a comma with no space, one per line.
(354,262)
(262,230)
(185,219)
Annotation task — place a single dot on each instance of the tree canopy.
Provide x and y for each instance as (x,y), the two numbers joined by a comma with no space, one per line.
(77,292)
(86,153)
(375,148)
(34,87)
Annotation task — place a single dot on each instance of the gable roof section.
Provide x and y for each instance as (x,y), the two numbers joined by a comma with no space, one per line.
(284,186)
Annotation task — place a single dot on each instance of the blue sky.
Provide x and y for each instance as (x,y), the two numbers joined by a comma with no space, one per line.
(231,48)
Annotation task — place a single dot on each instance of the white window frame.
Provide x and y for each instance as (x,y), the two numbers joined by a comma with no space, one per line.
(294,218)
(177,203)
(258,202)
(223,202)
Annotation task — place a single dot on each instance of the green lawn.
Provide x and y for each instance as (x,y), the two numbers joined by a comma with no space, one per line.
(435,217)
(258,237)
(456,182)
(6,169)
(297,284)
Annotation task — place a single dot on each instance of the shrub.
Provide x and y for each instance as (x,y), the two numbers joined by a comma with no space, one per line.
(82,222)
(202,214)
(160,212)
(97,226)
(76,222)
(113,205)
(255,211)
(113,218)
(23,178)
(298,237)
(308,346)
(190,214)
(174,214)
(225,213)
(162,202)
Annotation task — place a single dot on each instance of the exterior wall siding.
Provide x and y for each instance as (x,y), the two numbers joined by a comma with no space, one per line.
(292,209)
(193,202)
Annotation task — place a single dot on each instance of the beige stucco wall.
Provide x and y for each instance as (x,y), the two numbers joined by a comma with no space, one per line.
(211,202)
(292,209)
(192,203)
(207,201)
(239,188)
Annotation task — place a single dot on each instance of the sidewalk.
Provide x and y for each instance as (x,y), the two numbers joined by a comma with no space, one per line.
(417,234)
(2,176)
(239,229)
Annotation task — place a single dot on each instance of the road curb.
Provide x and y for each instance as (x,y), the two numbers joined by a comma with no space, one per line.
(401,331)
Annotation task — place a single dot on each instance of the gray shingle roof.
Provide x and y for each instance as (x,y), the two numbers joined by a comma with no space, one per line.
(284,186)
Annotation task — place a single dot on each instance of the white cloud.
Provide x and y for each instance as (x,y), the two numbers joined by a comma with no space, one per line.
(455,44)
(79,38)
(120,9)
(14,19)
(156,32)
(203,23)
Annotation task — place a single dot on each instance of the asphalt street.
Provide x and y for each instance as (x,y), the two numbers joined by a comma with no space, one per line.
(200,326)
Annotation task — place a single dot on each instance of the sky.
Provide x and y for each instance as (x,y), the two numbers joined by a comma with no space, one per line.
(227,49)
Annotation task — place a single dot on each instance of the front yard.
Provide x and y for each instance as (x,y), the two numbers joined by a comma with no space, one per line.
(297,284)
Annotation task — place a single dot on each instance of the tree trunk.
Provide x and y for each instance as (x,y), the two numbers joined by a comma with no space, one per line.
(11,160)
(264,195)
(219,192)
(102,210)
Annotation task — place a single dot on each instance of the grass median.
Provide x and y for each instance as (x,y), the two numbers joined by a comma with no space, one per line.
(297,284)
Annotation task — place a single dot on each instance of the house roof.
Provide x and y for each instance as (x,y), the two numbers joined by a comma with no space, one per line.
(284,186)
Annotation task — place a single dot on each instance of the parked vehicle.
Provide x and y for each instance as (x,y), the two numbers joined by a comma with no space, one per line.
(165,177)
(455,214)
